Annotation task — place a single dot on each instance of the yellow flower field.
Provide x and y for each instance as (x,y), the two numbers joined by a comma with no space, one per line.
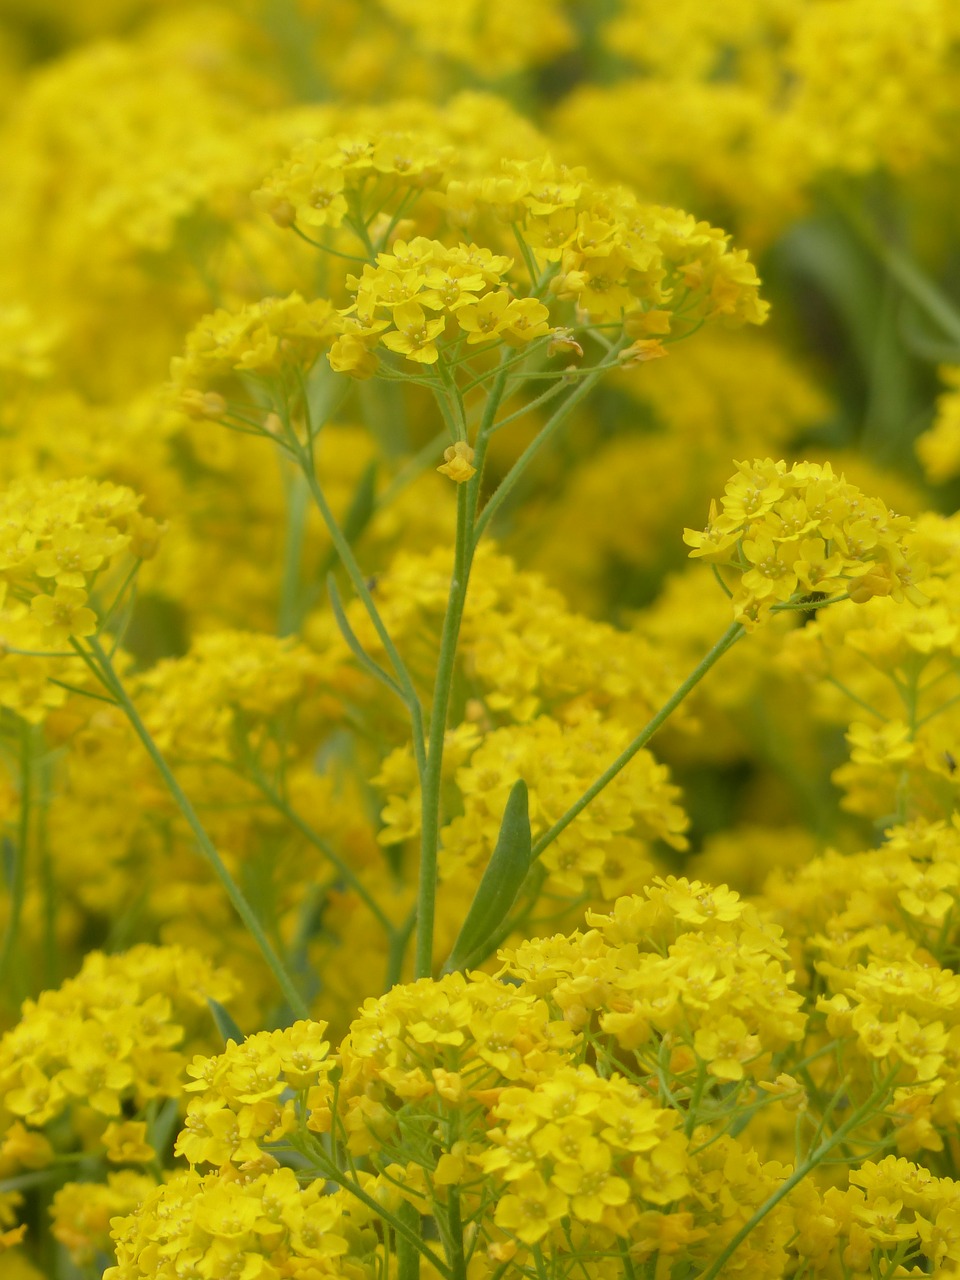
(479,640)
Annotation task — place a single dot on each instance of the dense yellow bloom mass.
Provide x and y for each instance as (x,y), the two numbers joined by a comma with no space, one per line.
(801,532)
(391,888)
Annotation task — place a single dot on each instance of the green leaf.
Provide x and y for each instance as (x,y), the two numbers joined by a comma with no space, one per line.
(163,1124)
(362,504)
(8,858)
(919,339)
(497,892)
(225,1024)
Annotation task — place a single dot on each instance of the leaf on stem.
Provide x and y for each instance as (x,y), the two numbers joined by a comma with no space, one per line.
(225,1024)
(8,850)
(505,873)
(362,505)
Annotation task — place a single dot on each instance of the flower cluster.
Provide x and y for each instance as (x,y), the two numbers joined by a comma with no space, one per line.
(939,447)
(231,687)
(257,1223)
(119,1034)
(560,955)
(788,533)
(57,537)
(406,300)
(262,338)
(579,1150)
(247,1094)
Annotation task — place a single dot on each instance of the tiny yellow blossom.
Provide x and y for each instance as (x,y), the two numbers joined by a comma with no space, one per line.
(457,464)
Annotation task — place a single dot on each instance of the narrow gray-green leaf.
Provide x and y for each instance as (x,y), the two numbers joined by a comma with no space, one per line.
(362,506)
(497,892)
(225,1024)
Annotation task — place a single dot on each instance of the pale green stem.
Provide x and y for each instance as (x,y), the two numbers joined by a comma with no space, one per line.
(397,950)
(289,614)
(313,837)
(408,1255)
(907,274)
(458,1265)
(726,641)
(19,877)
(694,1104)
(814,1159)
(546,433)
(932,715)
(405,1222)
(99,663)
(349,562)
(431,780)
(848,693)
(467,499)
(411,470)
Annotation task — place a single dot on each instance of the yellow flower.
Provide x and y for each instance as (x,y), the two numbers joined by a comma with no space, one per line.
(62,615)
(414,336)
(531,1209)
(457,464)
(126,1143)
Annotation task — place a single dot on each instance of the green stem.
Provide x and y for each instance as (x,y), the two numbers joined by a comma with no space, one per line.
(458,1265)
(547,431)
(694,1104)
(412,469)
(289,614)
(325,248)
(932,715)
(530,405)
(19,876)
(907,274)
(118,598)
(848,693)
(100,664)
(468,496)
(343,869)
(397,950)
(430,783)
(726,641)
(51,949)
(349,562)
(408,1255)
(405,1222)
(815,1158)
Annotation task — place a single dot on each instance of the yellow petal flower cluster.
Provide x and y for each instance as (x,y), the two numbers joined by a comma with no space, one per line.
(789,533)
(767,101)
(82,1212)
(262,338)
(405,301)
(363,306)
(938,448)
(585,1149)
(558,763)
(886,672)
(57,536)
(514,641)
(119,1033)
(485,34)
(262,1223)
(245,1099)
(478,1088)
(684,964)
(236,683)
